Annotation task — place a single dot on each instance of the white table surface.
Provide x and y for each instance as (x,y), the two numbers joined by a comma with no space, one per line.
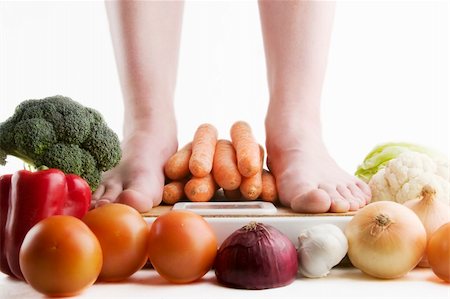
(341,283)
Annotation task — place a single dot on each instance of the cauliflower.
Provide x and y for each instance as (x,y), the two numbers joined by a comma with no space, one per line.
(403,178)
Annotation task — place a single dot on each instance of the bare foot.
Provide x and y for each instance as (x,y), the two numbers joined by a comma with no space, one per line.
(308,179)
(138,180)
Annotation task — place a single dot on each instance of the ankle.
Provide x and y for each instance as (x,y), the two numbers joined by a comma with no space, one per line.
(293,113)
(292,127)
(151,122)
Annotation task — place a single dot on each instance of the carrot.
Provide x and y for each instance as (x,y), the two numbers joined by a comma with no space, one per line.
(232,194)
(251,187)
(203,147)
(177,167)
(224,169)
(200,189)
(173,192)
(269,187)
(246,149)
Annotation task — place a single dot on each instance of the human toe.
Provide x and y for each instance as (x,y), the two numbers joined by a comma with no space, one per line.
(98,193)
(347,195)
(358,194)
(365,189)
(101,202)
(143,193)
(111,192)
(338,203)
(313,201)
(135,199)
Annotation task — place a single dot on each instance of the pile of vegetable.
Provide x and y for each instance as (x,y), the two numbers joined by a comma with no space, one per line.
(29,197)
(399,171)
(410,202)
(387,240)
(63,255)
(57,132)
(207,164)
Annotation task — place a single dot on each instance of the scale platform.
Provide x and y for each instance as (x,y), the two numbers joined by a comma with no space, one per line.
(226,217)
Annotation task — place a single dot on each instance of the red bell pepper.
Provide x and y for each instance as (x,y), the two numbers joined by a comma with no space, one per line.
(5,186)
(34,196)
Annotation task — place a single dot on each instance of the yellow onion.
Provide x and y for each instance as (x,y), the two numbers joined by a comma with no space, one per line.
(256,256)
(385,239)
(431,211)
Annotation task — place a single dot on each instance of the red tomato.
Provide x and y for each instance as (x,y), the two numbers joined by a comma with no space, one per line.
(123,234)
(438,252)
(182,246)
(60,256)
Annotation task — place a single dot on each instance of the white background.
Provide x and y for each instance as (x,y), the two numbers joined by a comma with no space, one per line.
(387,77)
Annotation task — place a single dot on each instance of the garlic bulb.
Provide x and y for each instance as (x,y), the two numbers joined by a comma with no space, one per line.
(321,247)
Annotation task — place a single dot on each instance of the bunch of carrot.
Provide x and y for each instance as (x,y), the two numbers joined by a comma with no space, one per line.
(206,164)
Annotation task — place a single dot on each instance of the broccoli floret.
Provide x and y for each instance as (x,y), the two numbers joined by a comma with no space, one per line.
(27,105)
(58,132)
(7,143)
(90,173)
(99,145)
(70,120)
(56,156)
(34,136)
(95,117)
(2,157)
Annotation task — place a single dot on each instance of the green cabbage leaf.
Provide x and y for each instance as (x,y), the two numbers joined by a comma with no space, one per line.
(383,153)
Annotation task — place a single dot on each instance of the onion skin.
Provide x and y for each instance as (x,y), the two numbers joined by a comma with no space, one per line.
(431,211)
(438,250)
(386,240)
(256,256)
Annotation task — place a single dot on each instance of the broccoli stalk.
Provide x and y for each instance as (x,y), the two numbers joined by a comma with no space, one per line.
(57,132)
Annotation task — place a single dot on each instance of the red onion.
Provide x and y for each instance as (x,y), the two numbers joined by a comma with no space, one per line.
(256,256)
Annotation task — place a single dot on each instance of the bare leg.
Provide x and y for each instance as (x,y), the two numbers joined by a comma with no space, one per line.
(146,38)
(296,38)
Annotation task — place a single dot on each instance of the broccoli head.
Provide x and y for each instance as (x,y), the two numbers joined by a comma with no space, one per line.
(34,136)
(98,145)
(58,132)
(58,153)
(2,157)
